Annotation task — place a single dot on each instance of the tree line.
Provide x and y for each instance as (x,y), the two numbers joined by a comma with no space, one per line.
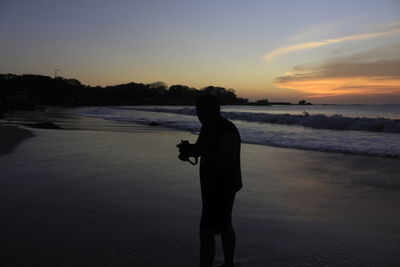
(45,90)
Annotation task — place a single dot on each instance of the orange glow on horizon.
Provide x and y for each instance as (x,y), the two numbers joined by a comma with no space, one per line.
(322,87)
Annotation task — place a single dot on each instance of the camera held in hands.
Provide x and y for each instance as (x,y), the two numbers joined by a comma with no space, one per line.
(184,152)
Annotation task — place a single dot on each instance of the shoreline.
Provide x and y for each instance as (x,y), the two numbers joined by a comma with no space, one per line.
(255,131)
(69,120)
(11,136)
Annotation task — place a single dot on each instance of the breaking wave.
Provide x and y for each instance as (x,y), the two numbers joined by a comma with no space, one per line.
(363,136)
(317,121)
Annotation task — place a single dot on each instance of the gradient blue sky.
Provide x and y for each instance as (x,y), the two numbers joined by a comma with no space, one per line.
(325,51)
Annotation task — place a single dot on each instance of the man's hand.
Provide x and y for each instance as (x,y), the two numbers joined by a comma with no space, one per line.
(186,151)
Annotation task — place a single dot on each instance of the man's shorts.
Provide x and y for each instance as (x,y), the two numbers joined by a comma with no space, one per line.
(216,216)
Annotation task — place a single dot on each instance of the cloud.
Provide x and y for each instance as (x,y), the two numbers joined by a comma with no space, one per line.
(314,44)
(347,75)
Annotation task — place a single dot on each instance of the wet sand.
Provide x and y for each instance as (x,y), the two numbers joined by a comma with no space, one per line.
(10,137)
(116,195)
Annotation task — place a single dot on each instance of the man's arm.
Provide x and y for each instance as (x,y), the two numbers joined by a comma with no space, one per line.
(199,148)
(228,149)
(196,149)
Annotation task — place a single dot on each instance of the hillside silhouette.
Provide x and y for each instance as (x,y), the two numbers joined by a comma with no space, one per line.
(24,91)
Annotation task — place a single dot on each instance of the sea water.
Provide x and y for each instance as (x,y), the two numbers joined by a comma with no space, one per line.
(356,129)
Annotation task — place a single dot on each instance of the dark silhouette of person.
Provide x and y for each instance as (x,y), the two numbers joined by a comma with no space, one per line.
(218,147)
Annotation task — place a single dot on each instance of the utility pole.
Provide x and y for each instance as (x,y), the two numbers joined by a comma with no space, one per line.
(55,72)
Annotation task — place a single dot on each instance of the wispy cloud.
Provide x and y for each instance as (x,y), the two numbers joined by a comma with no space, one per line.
(313,44)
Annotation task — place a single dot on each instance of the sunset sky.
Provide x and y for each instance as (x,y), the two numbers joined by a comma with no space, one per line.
(342,51)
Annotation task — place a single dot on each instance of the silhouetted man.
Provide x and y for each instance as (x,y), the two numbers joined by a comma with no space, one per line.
(218,146)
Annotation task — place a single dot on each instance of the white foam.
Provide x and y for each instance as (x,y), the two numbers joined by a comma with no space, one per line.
(319,132)
(317,121)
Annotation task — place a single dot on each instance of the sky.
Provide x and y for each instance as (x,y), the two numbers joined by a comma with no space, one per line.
(342,51)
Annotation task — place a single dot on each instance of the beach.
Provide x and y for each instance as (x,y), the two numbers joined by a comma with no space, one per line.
(106,193)
(10,137)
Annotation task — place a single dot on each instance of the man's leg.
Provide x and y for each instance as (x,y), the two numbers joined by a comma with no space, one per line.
(228,245)
(207,249)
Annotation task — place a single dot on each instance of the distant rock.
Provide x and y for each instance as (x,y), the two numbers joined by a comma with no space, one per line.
(303,102)
(153,123)
(45,125)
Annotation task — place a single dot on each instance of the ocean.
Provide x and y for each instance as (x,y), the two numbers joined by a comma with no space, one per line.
(372,130)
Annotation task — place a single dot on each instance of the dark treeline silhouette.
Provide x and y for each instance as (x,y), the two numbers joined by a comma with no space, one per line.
(24,91)
(262,102)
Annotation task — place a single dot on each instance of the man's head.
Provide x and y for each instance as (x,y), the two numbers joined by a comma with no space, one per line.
(207,109)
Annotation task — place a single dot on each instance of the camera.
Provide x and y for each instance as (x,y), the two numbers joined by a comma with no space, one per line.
(184,149)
